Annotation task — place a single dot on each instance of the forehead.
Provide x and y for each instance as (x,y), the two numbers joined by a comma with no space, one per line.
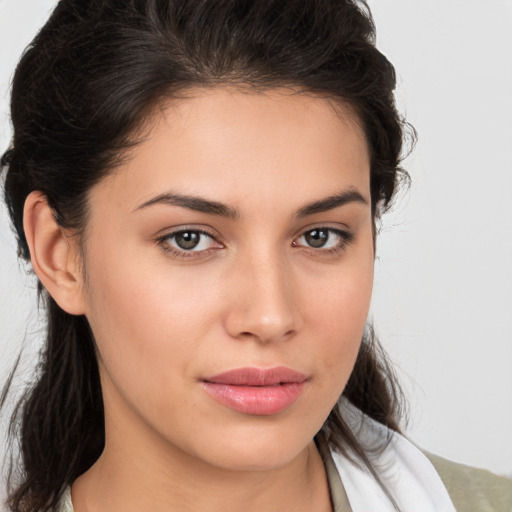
(239,144)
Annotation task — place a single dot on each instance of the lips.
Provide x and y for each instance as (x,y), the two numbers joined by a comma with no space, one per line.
(255,391)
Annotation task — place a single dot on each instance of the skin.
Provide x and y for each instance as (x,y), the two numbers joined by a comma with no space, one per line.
(254,294)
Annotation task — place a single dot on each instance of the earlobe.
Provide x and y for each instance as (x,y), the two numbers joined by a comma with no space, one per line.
(53,255)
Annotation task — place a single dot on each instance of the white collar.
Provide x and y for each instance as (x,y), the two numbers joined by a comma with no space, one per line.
(405,472)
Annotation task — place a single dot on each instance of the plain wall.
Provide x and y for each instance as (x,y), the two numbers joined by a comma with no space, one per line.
(443,291)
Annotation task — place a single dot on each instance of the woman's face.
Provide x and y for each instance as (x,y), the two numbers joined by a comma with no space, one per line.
(229,268)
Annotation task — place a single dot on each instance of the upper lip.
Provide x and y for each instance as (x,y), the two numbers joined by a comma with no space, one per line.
(258,377)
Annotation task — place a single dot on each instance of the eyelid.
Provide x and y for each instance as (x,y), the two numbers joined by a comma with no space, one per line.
(346,236)
(338,227)
(162,240)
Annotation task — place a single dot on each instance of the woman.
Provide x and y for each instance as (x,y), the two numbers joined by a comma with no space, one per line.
(196,185)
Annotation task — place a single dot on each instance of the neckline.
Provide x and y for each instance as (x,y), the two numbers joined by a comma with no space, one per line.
(339,499)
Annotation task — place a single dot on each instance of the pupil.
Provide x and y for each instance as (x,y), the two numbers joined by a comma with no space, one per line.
(316,238)
(187,239)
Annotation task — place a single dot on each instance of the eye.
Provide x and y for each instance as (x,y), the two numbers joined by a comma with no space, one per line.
(324,238)
(188,241)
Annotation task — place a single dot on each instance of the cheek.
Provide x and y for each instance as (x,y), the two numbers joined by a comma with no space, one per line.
(134,316)
(340,297)
(337,312)
(150,321)
(146,334)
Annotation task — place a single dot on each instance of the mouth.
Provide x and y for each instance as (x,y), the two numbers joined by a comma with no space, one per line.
(255,391)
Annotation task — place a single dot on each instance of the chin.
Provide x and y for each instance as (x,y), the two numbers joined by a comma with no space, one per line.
(269,459)
(256,449)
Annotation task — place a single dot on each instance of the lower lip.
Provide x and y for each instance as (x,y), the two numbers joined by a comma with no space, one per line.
(256,400)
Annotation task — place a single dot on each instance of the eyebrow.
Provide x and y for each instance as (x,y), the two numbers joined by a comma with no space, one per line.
(351,195)
(199,204)
(195,203)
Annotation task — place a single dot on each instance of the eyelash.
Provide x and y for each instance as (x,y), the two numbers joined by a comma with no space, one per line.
(164,243)
(346,238)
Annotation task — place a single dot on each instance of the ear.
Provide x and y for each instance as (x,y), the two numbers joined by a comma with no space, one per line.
(53,254)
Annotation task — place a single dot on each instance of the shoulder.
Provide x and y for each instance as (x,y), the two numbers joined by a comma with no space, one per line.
(472,489)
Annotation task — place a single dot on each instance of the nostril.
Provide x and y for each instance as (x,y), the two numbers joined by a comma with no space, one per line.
(264,314)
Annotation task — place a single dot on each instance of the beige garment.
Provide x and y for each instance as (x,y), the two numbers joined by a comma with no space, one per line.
(471,489)
(339,498)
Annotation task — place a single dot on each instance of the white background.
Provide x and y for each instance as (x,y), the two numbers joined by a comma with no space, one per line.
(443,292)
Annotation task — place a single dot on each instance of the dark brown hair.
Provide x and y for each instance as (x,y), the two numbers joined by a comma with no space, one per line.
(82,89)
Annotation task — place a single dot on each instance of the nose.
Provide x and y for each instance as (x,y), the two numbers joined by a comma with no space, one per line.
(263,301)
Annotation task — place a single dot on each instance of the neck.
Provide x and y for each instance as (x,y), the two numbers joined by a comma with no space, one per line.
(142,471)
(117,484)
